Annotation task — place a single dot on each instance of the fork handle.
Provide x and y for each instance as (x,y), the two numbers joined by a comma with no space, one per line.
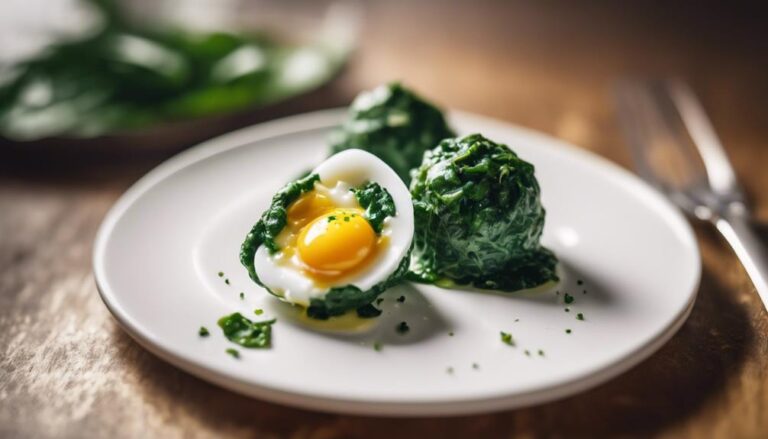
(747,246)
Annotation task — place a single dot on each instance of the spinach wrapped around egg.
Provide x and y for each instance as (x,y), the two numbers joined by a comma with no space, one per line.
(394,124)
(479,218)
(335,239)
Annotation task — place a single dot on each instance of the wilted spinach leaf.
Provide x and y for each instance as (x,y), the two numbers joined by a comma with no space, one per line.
(238,329)
(272,222)
(377,202)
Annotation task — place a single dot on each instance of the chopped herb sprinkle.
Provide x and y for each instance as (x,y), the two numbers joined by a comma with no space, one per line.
(233,352)
(221,274)
(475,366)
(527,352)
(331,218)
(379,300)
(203,332)
(226,281)
(517,320)
(449,371)
(258,311)
(567,298)
(346,219)
(402,328)
(401,299)
(567,331)
(450,334)
(376,346)
(541,353)
(242,296)
(567,309)
(579,282)
(506,338)
(579,316)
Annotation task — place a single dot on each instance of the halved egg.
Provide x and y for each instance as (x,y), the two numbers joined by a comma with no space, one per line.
(343,238)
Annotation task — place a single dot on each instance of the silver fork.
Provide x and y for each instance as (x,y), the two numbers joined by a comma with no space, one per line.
(675,148)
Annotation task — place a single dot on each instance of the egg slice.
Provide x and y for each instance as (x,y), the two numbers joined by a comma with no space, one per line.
(328,241)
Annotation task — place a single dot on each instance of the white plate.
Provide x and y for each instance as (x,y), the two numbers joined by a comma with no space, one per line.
(161,246)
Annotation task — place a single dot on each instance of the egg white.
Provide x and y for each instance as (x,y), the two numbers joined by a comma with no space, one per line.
(339,173)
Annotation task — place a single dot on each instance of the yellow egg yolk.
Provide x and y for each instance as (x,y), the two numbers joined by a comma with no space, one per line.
(307,208)
(336,242)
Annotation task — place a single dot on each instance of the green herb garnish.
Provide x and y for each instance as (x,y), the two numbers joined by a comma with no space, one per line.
(527,352)
(233,352)
(331,218)
(401,299)
(203,332)
(402,328)
(567,331)
(475,366)
(258,311)
(377,346)
(238,329)
(568,299)
(221,274)
(580,316)
(506,338)
(242,296)
(226,281)
(541,353)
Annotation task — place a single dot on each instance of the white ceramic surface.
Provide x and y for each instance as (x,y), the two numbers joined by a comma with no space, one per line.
(159,250)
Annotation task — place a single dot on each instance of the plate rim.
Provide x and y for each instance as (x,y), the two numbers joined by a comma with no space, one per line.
(335,404)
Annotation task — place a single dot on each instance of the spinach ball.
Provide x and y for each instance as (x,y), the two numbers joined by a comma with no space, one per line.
(478,218)
(394,124)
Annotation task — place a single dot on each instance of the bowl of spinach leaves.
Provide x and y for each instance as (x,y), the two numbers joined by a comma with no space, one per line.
(140,83)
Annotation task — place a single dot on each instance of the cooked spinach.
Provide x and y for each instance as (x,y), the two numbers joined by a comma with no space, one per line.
(239,329)
(127,77)
(394,124)
(339,300)
(272,222)
(377,202)
(378,205)
(478,218)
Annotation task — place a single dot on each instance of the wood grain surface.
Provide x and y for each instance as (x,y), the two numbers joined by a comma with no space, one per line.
(68,370)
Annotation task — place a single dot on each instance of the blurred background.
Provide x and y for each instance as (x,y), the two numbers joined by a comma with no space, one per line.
(93,94)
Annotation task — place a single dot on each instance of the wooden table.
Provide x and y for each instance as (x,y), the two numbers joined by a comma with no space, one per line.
(67,369)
